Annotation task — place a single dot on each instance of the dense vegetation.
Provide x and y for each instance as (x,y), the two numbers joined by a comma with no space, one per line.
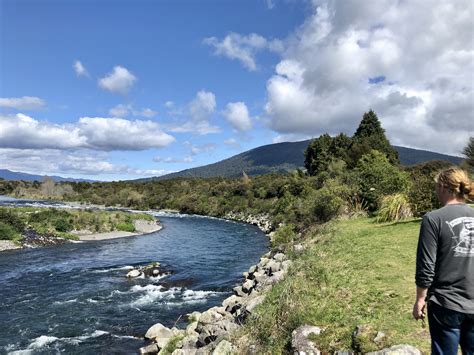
(61,222)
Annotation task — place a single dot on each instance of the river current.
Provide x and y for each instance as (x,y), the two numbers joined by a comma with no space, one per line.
(75,298)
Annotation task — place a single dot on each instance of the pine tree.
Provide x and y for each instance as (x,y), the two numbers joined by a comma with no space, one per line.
(370,135)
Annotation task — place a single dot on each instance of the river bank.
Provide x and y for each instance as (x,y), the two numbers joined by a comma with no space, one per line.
(27,223)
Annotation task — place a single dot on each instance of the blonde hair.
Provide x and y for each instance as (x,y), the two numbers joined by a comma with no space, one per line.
(456,181)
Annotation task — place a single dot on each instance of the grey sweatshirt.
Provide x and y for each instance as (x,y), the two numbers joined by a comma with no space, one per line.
(445,257)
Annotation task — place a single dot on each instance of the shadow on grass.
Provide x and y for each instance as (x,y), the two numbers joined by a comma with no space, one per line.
(398,223)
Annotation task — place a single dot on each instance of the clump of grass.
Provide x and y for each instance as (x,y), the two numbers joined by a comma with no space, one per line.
(394,208)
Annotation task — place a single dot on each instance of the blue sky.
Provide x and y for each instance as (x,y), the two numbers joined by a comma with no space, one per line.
(126,89)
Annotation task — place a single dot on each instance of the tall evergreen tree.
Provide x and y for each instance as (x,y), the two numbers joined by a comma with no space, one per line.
(370,135)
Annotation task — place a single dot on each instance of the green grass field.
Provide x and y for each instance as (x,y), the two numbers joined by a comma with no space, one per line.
(353,272)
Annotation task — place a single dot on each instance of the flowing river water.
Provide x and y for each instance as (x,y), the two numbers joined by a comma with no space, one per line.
(75,298)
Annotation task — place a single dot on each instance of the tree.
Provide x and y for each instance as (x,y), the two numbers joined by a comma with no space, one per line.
(468,152)
(323,150)
(370,135)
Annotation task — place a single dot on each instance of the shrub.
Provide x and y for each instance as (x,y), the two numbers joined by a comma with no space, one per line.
(12,219)
(126,227)
(394,208)
(7,232)
(284,234)
(62,225)
(376,177)
(329,201)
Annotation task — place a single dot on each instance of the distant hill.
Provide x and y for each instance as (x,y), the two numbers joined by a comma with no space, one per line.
(14,175)
(285,157)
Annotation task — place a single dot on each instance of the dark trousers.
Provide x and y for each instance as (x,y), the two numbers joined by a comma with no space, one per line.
(449,329)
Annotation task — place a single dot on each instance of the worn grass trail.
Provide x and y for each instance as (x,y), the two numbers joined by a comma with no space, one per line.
(353,272)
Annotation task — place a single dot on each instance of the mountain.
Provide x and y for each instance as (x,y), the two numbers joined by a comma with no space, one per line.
(285,157)
(14,175)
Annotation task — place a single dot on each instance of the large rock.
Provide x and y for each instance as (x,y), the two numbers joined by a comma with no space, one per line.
(300,342)
(254,302)
(212,315)
(273,266)
(134,273)
(223,348)
(215,331)
(402,349)
(232,303)
(149,349)
(158,330)
(239,291)
(279,257)
(247,286)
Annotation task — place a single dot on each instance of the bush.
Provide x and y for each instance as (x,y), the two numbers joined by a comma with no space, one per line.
(12,219)
(394,208)
(330,200)
(7,232)
(284,234)
(126,227)
(62,225)
(376,177)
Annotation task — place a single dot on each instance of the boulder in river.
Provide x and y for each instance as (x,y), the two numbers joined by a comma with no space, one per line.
(133,273)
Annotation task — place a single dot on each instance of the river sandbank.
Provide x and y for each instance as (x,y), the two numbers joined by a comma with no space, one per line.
(141,227)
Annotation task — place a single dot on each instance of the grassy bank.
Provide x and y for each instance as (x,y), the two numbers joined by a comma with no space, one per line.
(353,272)
(63,222)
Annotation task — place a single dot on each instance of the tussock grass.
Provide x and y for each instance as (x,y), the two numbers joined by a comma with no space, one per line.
(394,208)
(354,272)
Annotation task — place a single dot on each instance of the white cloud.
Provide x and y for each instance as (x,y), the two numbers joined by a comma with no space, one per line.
(119,81)
(53,161)
(200,111)
(170,160)
(237,114)
(169,104)
(122,111)
(146,112)
(420,52)
(243,48)
(80,69)
(120,134)
(22,103)
(203,106)
(232,142)
(21,131)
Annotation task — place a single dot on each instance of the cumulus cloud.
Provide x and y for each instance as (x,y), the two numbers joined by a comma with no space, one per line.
(119,81)
(21,131)
(22,103)
(237,114)
(200,111)
(411,61)
(122,111)
(243,48)
(80,69)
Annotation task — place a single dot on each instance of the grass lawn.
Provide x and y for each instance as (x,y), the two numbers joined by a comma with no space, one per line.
(353,272)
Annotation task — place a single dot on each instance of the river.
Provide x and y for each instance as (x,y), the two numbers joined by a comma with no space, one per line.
(75,298)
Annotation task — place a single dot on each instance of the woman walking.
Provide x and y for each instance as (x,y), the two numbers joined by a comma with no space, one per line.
(445,266)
